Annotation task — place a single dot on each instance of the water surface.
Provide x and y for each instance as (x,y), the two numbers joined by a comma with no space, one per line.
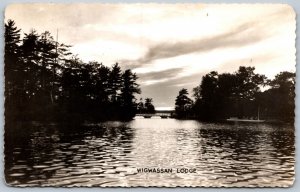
(109,154)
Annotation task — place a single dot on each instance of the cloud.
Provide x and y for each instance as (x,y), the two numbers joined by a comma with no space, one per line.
(229,39)
(232,38)
(70,15)
(244,32)
(169,73)
(155,77)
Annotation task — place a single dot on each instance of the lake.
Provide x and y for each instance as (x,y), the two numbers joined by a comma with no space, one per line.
(109,154)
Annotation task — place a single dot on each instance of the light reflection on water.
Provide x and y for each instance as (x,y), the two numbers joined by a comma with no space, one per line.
(108,154)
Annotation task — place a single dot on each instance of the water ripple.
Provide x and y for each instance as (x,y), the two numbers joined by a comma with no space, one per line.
(108,154)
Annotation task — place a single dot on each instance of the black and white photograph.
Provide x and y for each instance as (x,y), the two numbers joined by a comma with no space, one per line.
(149,95)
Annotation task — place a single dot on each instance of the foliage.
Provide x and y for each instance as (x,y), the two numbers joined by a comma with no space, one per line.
(220,96)
(146,107)
(44,81)
(183,104)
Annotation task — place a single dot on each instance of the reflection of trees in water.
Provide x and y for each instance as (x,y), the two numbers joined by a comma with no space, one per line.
(233,141)
(28,144)
(283,140)
(39,148)
(256,143)
(119,134)
(119,142)
(250,152)
(109,139)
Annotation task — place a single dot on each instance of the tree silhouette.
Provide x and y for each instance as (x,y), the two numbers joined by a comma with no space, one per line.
(12,69)
(248,83)
(11,57)
(220,96)
(278,102)
(141,106)
(42,72)
(115,83)
(208,89)
(183,104)
(149,107)
(128,91)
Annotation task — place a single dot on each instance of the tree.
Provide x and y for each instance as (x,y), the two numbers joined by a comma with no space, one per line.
(207,104)
(48,56)
(220,96)
(128,91)
(197,93)
(279,101)
(208,86)
(12,68)
(183,104)
(248,83)
(140,106)
(12,39)
(149,107)
(285,81)
(225,96)
(102,86)
(76,85)
(31,61)
(42,72)
(115,83)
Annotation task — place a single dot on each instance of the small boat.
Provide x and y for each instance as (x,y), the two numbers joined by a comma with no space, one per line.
(234,119)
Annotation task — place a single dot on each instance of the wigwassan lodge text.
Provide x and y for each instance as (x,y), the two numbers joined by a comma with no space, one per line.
(154,170)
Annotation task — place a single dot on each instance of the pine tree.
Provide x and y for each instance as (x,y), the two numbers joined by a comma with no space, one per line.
(115,83)
(13,70)
(128,91)
(183,104)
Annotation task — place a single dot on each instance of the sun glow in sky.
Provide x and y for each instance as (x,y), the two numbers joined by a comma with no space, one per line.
(170,46)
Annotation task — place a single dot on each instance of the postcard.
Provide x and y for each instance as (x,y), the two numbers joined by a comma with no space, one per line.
(149,95)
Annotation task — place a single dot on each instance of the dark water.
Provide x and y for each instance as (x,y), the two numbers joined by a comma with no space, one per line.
(108,154)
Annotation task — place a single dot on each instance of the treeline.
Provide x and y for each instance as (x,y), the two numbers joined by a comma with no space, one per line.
(44,81)
(242,94)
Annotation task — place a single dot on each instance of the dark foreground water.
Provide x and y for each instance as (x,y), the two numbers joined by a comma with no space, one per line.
(109,154)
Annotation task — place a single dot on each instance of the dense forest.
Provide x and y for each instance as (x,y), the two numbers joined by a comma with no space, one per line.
(242,94)
(44,81)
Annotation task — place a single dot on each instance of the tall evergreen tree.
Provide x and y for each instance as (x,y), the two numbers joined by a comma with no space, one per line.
(102,85)
(31,61)
(115,83)
(12,68)
(48,56)
(183,104)
(128,91)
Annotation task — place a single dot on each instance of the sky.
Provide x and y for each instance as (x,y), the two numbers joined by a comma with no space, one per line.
(170,46)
